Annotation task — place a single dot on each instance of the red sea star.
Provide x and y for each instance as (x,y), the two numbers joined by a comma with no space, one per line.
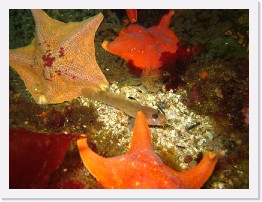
(34,156)
(148,49)
(140,167)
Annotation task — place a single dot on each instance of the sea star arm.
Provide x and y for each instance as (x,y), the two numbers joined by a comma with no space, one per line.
(142,139)
(165,20)
(45,24)
(112,172)
(21,59)
(132,15)
(196,176)
(97,165)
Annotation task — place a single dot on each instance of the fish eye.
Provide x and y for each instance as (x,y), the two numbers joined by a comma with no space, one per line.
(155,116)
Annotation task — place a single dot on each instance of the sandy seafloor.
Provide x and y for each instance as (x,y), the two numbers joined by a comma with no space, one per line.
(203,114)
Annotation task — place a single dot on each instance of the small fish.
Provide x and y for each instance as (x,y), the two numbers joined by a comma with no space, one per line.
(129,106)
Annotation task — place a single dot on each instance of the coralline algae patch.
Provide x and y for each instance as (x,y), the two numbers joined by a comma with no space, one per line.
(180,144)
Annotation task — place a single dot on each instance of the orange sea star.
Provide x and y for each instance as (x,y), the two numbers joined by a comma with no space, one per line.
(60,61)
(149,49)
(140,167)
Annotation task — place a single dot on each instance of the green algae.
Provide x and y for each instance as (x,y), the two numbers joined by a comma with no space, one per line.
(21,28)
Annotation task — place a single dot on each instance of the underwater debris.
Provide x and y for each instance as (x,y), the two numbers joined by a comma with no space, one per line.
(192,126)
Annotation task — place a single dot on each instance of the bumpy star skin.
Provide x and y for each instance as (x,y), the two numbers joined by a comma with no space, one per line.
(149,49)
(140,167)
(60,61)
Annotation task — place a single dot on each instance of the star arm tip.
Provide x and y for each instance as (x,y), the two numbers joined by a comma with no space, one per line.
(166,20)
(195,177)
(96,165)
(21,58)
(38,13)
(105,45)
(132,15)
(142,139)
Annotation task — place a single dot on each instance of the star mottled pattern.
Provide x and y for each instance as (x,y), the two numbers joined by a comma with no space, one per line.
(60,61)
(140,167)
